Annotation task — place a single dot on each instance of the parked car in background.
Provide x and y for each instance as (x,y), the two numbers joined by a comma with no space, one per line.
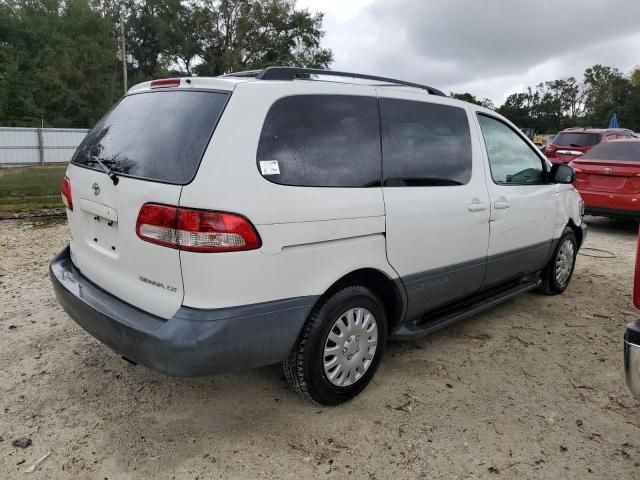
(540,141)
(227,223)
(570,143)
(608,178)
(632,338)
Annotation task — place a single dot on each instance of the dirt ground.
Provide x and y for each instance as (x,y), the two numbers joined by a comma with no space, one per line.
(533,388)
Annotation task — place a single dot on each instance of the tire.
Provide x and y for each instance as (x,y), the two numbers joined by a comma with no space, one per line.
(305,367)
(555,282)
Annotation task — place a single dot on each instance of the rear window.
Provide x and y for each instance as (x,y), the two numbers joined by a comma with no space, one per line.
(321,141)
(577,139)
(158,136)
(626,151)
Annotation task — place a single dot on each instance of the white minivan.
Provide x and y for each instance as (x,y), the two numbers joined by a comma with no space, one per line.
(282,216)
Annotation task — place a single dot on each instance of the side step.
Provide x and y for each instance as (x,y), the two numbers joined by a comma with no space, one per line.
(459,311)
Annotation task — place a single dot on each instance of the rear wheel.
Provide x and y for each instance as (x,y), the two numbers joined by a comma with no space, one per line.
(558,272)
(340,347)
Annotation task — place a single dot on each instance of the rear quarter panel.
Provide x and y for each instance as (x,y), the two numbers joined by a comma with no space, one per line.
(311,236)
(568,208)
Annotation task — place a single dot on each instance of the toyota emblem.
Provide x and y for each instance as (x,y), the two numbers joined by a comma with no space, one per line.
(96,189)
(607,171)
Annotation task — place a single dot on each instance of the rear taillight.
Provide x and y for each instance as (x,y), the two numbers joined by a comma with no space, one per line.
(195,230)
(633,184)
(582,177)
(65,192)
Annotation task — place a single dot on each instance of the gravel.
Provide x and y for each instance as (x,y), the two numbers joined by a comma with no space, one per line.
(533,388)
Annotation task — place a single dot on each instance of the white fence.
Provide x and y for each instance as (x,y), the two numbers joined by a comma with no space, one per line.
(38,146)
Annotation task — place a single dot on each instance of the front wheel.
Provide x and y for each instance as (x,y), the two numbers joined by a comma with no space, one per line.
(557,274)
(340,347)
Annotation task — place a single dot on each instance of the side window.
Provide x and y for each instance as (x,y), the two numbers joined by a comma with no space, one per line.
(424,144)
(511,160)
(321,141)
(611,137)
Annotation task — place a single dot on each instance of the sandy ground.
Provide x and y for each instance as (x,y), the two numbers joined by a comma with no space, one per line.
(530,389)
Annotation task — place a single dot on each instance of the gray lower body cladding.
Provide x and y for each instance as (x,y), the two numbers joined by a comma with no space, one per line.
(193,342)
(429,290)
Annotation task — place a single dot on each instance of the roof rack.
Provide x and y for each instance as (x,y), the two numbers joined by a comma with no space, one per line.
(291,73)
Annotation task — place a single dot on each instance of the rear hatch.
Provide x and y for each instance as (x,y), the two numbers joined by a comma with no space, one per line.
(610,168)
(568,146)
(153,142)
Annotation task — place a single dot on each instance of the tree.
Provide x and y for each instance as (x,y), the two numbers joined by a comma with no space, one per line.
(57,63)
(606,90)
(251,34)
(558,104)
(635,77)
(467,97)
(568,96)
(58,58)
(517,108)
(151,33)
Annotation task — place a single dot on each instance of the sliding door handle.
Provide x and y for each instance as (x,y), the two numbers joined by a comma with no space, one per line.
(476,205)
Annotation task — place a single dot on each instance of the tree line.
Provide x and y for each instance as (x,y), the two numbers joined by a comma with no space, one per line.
(60,63)
(551,106)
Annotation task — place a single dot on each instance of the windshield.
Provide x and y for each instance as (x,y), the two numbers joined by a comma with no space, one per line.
(576,139)
(157,136)
(626,151)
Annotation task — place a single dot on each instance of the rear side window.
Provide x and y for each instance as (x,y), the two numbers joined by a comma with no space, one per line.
(157,136)
(424,144)
(576,139)
(321,141)
(625,151)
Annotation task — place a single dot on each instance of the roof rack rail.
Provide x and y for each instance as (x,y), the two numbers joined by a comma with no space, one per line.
(246,73)
(291,73)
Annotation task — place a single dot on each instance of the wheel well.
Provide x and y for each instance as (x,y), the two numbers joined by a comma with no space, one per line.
(386,289)
(577,230)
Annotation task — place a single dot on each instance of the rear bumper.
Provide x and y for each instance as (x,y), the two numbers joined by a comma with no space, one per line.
(193,342)
(611,212)
(611,204)
(632,357)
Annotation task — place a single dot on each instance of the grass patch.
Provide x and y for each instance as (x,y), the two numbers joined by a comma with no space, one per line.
(30,188)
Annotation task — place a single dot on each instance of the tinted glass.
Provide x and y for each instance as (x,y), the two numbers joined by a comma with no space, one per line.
(322,141)
(424,144)
(511,159)
(158,136)
(576,139)
(626,151)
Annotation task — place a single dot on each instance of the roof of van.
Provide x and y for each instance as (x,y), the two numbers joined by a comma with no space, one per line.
(209,83)
(230,80)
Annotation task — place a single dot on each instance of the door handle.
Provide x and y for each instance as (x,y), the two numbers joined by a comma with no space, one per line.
(476,206)
(501,205)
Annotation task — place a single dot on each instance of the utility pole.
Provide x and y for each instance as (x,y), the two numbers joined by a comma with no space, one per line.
(124,57)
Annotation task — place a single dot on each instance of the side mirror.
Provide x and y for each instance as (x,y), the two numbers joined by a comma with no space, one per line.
(561,173)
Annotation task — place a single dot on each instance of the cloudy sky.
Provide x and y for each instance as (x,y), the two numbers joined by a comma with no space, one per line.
(490,48)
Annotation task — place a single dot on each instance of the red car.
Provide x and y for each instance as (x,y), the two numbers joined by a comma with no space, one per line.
(608,179)
(632,338)
(573,142)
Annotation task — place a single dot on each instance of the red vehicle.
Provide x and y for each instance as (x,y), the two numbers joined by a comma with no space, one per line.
(570,143)
(632,338)
(608,179)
